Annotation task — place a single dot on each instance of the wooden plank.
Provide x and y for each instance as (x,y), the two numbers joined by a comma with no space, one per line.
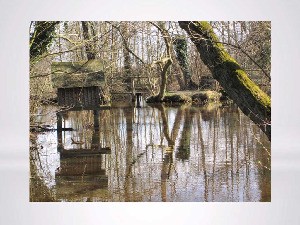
(74,95)
(59,97)
(81,97)
(63,97)
(68,100)
(88,96)
(97,96)
(91,98)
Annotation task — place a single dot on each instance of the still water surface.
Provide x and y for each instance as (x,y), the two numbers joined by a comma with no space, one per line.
(159,153)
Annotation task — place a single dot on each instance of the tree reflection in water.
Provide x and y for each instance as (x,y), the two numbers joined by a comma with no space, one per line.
(158,153)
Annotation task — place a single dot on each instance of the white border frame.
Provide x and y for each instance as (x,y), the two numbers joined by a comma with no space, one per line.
(15,207)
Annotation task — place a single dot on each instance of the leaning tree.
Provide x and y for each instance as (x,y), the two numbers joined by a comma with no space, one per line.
(255,103)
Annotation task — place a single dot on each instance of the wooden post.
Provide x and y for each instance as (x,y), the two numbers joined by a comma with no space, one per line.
(96,140)
(59,121)
(96,119)
(59,131)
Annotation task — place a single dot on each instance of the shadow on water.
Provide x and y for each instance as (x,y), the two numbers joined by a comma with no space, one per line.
(157,153)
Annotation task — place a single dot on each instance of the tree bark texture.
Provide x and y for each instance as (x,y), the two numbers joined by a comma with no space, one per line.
(166,62)
(88,46)
(41,38)
(181,55)
(241,89)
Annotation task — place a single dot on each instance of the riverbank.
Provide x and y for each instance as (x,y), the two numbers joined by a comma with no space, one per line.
(194,97)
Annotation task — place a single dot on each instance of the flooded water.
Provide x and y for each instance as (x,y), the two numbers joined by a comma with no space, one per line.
(159,153)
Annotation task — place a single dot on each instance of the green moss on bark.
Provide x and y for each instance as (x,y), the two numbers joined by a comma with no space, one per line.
(41,37)
(235,81)
(181,55)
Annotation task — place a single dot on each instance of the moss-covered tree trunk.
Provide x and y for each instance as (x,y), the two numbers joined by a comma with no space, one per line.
(181,55)
(235,81)
(88,45)
(41,37)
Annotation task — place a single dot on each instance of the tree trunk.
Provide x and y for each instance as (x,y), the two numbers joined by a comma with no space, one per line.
(247,95)
(41,37)
(88,46)
(181,55)
(124,28)
(166,62)
(127,63)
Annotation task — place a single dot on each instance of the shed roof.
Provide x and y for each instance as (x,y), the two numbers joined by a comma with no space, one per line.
(77,74)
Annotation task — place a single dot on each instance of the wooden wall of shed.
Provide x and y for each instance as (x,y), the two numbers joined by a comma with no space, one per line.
(80,96)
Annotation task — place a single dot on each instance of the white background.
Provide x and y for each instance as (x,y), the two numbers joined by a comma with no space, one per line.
(15,208)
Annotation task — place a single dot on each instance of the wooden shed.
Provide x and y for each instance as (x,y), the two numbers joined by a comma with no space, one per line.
(79,84)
